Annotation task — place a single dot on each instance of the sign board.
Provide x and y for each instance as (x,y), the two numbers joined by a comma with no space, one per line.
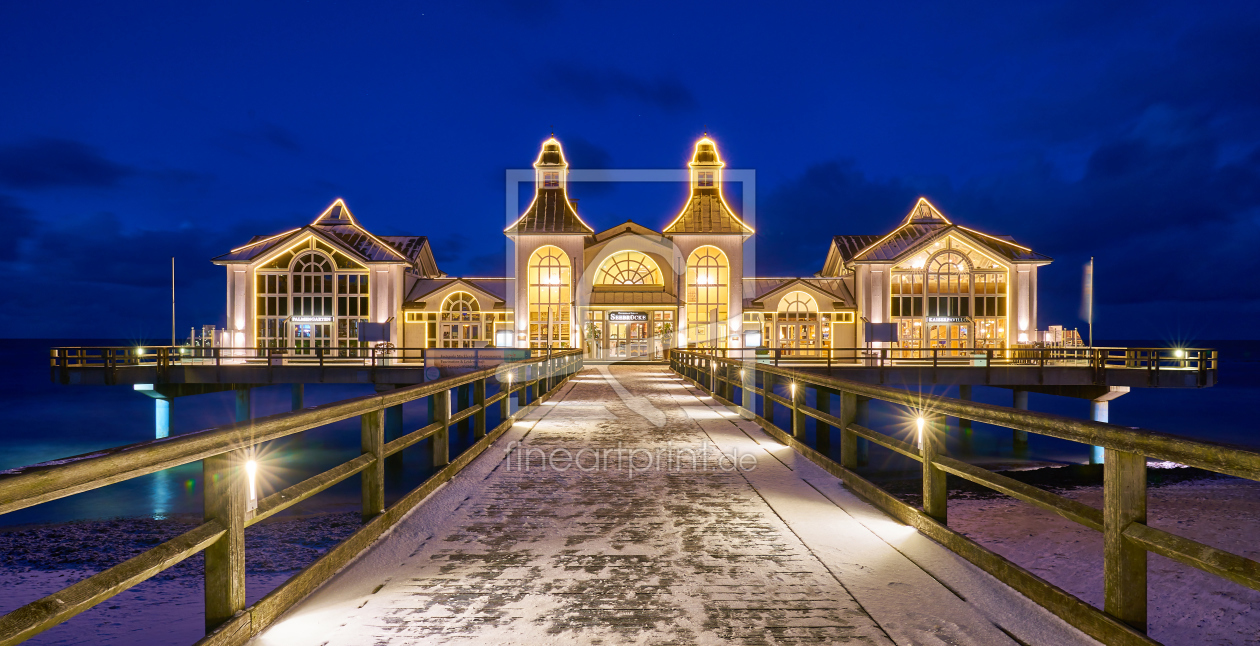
(448,362)
(948,319)
(373,332)
(627,317)
(312,319)
(881,332)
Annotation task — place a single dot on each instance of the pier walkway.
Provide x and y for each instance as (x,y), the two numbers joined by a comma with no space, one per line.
(705,531)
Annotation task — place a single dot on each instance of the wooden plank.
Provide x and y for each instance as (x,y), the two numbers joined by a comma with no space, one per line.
(35,617)
(1124,560)
(226,486)
(1239,569)
(479,406)
(398,444)
(463,414)
(233,632)
(904,448)
(292,495)
(441,403)
(848,439)
(1072,510)
(935,490)
(372,437)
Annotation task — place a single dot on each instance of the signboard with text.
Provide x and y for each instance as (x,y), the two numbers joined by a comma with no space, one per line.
(627,317)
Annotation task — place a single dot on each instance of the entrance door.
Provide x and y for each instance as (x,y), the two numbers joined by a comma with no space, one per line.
(955,337)
(311,335)
(628,340)
(798,338)
(460,335)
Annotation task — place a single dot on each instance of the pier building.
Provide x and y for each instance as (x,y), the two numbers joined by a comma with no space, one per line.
(631,292)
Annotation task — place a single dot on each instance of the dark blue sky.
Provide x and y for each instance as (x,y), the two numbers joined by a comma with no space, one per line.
(132,132)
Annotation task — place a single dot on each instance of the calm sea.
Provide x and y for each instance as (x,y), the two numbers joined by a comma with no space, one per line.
(41,420)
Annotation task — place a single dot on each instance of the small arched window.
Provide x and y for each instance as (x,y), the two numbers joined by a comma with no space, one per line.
(461,306)
(798,306)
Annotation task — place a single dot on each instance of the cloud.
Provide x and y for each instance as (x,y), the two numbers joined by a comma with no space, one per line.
(267,135)
(599,86)
(18,225)
(55,163)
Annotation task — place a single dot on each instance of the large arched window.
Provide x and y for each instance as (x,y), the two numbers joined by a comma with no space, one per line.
(461,321)
(628,268)
(312,301)
(708,282)
(548,278)
(948,285)
(310,295)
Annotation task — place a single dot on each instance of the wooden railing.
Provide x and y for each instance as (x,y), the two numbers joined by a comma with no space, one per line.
(225,453)
(1153,359)
(1122,520)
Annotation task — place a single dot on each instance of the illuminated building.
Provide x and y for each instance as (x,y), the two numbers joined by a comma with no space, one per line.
(628,291)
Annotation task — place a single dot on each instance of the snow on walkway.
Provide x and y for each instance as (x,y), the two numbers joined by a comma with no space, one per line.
(656,536)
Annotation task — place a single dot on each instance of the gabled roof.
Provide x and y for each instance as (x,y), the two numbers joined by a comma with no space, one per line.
(550,212)
(764,288)
(422,289)
(924,223)
(339,226)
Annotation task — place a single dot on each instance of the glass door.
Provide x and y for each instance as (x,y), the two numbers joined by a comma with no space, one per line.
(951,340)
(311,335)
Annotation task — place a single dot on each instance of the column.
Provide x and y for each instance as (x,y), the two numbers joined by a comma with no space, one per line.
(1099,411)
(1020,438)
(297,397)
(162,416)
(964,425)
(243,403)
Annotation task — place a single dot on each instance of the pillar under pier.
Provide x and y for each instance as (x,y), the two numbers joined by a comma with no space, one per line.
(1099,411)
(964,425)
(162,417)
(1020,438)
(243,401)
(298,397)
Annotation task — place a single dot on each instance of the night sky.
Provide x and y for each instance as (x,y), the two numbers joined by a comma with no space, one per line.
(133,132)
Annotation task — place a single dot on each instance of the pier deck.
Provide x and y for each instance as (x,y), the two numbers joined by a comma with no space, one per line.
(780,553)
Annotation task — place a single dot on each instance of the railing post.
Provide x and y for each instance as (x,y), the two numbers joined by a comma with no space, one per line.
(225,485)
(442,438)
(797,391)
(767,401)
(521,394)
(822,434)
(372,435)
(848,439)
(479,400)
(1124,562)
(934,490)
(748,381)
(505,403)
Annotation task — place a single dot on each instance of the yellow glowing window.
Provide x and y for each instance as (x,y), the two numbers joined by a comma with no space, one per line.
(628,268)
(551,179)
(704,179)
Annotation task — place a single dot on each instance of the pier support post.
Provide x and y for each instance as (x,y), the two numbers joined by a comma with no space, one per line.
(243,403)
(1124,562)
(297,397)
(1099,411)
(863,418)
(162,416)
(1020,438)
(224,483)
(442,439)
(372,432)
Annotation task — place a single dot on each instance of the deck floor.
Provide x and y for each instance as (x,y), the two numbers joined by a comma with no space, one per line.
(681,552)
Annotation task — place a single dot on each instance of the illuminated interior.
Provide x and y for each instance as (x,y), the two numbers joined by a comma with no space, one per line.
(707,289)
(628,268)
(549,296)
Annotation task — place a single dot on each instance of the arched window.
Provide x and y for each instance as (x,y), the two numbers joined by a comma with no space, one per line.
(461,321)
(460,306)
(707,290)
(548,278)
(798,306)
(312,301)
(628,268)
(948,285)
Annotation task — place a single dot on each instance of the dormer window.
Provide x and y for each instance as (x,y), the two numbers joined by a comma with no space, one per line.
(551,179)
(704,179)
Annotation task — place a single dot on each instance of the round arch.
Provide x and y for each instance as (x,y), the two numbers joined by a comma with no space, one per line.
(628,268)
(548,279)
(708,289)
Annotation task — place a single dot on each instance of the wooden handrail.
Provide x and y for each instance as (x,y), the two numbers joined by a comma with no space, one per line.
(1127,538)
(221,449)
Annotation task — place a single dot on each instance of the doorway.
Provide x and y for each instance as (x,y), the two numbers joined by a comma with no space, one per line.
(798,337)
(629,340)
(955,337)
(460,335)
(311,335)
